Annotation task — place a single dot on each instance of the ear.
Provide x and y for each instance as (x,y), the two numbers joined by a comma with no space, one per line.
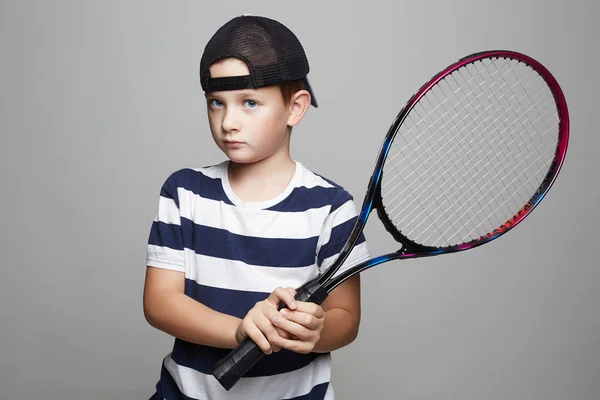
(299,104)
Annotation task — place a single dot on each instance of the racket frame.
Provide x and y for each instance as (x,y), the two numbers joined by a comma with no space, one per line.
(373,198)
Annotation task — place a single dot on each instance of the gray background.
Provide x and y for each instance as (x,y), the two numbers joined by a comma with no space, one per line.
(101,102)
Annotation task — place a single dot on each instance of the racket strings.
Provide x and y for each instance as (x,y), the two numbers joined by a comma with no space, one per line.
(502,199)
(460,143)
(428,187)
(434,109)
(471,153)
(453,183)
(459,203)
(500,205)
(499,200)
(502,134)
(413,193)
(416,139)
(510,108)
(471,147)
(542,168)
(532,102)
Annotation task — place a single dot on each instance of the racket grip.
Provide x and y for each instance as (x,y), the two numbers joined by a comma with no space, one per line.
(234,365)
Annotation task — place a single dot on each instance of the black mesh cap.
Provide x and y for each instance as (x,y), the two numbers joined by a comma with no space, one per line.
(272,52)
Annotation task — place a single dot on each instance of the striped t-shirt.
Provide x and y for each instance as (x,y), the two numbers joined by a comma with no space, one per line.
(235,253)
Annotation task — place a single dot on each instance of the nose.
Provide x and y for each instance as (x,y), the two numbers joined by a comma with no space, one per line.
(230,121)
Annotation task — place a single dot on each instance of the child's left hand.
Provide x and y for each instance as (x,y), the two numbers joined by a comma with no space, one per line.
(304,326)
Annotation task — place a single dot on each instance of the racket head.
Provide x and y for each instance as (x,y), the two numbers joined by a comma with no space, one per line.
(470,104)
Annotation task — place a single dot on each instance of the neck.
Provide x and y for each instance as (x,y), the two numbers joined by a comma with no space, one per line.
(262,180)
(267,169)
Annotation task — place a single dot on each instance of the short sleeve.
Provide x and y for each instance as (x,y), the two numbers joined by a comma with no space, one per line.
(336,230)
(165,244)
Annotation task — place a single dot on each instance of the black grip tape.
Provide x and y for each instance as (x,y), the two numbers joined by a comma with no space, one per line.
(232,367)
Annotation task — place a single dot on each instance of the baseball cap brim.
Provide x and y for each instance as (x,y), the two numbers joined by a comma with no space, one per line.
(309,89)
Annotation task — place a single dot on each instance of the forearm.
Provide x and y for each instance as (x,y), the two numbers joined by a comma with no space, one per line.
(183,317)
(340,329)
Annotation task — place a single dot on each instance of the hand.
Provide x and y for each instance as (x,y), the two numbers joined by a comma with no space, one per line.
(257,324)
(303,326)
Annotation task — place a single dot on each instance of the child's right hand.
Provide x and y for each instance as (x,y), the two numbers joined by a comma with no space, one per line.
(257,323)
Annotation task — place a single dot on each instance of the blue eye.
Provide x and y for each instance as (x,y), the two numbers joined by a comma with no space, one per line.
(215,103)
(250,103)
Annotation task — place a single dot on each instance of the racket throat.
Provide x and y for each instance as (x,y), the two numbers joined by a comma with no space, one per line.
(413,249)
(312,292)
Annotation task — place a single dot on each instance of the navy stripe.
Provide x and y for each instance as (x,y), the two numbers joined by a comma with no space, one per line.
(167,388)
(202,358)
(317,393)
(198,183)
(168,235)
(169,188)
(226,301)
(220,243)
(342,196)
(303,198)
(339,236)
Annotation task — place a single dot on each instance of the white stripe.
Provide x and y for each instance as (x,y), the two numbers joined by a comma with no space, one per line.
(199,386)
(237,275)
(165,257)
(252,222)
(344,213)
(312,180)
(358,254)
(213,171)
(167,211)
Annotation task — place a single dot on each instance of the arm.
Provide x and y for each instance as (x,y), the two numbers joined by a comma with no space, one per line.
(342,310)
(167,308)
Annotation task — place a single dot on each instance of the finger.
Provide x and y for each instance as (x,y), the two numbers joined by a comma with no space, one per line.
(269,331)
(259,338)
(310,308)
(281,295)
(307,320)
(283,333)
(291,290)
(297,346)
(292,328)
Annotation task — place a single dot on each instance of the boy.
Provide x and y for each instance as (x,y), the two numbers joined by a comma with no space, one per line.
(228,238)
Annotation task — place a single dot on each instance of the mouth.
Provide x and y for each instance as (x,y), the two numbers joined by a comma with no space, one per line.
(232,144)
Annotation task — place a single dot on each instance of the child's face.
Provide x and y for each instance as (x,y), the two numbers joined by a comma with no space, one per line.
(248,125)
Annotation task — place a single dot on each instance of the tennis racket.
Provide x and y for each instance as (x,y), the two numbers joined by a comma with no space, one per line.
(469,156)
